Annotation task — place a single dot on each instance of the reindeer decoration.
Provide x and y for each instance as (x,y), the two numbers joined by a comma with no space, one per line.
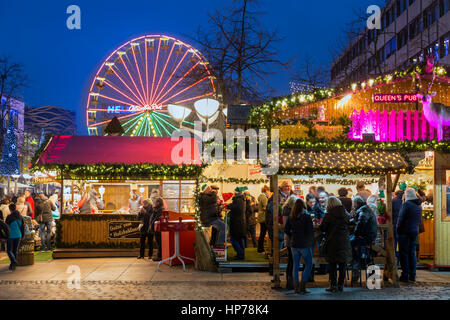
(436,114)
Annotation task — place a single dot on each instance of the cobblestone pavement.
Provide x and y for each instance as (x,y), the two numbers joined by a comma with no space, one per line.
(129,290)
(131,279)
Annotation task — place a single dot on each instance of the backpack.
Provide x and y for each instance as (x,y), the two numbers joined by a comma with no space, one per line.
(4,230)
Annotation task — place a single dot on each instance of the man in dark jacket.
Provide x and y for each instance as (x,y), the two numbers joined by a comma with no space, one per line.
(408,223)
(397,203)
(44,217)
(365,231)
(210,213)
(238,228)
(144,216)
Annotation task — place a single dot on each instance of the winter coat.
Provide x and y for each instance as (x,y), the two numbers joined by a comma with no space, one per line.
(238,228)
(23,209)
(144,216)
(44,209)
(4,211)
(30,200)
(335,224)
(319,213)
(366,224)
(300,231)
(269,212)
(155,216)
(397,204)
(250,218)
(16,225)
(409,217)
(262,204)
(347,203)
(209,209)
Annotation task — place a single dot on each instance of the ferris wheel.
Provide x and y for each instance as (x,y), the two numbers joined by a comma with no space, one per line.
(150,84)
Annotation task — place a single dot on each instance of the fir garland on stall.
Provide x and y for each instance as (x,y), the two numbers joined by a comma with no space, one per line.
(122,171)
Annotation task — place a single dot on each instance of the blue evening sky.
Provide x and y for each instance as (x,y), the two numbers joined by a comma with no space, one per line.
(61,62)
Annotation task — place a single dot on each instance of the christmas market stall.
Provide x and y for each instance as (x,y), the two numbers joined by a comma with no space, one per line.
(345,160)
(104,176)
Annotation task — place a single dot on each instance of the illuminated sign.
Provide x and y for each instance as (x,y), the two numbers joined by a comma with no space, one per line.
(126,109)
(394,97)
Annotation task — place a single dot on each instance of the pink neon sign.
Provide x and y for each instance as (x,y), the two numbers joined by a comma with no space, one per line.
(394,97)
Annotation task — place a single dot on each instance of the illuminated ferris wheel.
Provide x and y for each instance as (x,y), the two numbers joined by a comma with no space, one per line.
(150,84)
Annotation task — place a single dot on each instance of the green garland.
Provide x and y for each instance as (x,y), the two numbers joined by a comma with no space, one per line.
(104,171)
(233,180)
(42,148)
(341,171)
(427,214)
(352,145)
(344,182)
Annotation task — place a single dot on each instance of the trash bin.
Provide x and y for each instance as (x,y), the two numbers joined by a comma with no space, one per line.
(26,253)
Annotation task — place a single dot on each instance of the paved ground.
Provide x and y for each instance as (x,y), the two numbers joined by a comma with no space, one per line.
(129,278)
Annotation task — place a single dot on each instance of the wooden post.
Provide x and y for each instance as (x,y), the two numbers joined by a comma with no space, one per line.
(394,184)
(275,243)
(390,269)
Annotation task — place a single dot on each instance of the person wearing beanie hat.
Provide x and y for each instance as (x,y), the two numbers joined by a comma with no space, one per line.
(397,204)
(409,219)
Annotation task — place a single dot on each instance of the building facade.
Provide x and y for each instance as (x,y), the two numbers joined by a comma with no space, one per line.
(410,31)
(52,119)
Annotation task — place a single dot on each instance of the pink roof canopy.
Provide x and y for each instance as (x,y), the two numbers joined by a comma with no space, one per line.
(117,149)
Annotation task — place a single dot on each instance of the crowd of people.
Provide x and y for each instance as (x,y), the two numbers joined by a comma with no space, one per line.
(347,224)
(23,212)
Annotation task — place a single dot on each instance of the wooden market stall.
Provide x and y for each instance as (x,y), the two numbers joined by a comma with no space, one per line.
(340,161)
(114,167)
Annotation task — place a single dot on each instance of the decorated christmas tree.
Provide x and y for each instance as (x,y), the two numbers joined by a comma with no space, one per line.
(10,162)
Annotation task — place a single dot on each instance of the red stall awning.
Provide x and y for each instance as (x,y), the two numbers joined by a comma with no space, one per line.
(117,149)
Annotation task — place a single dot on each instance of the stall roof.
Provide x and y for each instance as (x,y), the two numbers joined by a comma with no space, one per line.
(334,162)
(115,150)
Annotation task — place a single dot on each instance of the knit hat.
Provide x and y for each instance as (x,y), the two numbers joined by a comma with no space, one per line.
(204,186)
(410,194)
(402,186)
(240,189)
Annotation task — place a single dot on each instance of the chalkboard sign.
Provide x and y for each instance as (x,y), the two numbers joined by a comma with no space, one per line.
(123,230)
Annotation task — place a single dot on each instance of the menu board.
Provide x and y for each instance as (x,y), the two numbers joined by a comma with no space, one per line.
(124,230)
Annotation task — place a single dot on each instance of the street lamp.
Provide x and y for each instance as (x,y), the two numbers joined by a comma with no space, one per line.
(206,110)
(178,113)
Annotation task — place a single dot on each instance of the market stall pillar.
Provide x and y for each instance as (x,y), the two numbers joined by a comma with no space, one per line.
(441,210)
(390,270)
(275,243)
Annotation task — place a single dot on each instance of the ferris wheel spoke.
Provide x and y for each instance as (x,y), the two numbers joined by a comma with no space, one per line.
(194,98)
(139,73)
(109,84)
(187,88)
(134,94)
(132,80)
(130,125)
(158,120)
(146,68)
(170,77)
(106,121)
(176,83)
(164,70)
(154,70)
(113,99)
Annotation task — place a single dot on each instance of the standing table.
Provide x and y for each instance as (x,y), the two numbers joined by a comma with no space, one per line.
(175,226)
